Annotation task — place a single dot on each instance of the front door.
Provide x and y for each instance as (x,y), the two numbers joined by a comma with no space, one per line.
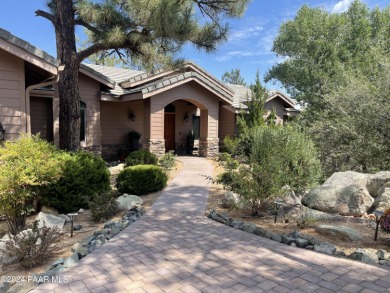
(42,117)
(169,131)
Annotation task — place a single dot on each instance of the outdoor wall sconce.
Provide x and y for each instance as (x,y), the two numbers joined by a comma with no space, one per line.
(2,132)
(186,118)
(131,115)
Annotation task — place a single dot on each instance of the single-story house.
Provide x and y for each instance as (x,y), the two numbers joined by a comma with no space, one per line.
(164,106)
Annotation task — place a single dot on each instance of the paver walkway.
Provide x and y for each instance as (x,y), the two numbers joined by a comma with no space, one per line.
(174,248)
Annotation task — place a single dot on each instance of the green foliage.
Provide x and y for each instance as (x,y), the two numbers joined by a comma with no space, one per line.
(83,176)
(141,157)
(280,156)
(233,77)
(167,161)
(141,179)
(103,206)
(26,164)
(33,247)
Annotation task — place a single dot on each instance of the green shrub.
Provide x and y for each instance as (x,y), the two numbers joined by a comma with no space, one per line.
(141,179)
(33,247)
(83,176)
(26,164)
(141,157)
(103,206)
(168,161)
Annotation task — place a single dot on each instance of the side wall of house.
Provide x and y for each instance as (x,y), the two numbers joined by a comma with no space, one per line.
(12,95)
(279,106)
(226,123)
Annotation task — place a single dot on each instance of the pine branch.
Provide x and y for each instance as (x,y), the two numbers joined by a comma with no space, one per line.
(46,15)
(86,25)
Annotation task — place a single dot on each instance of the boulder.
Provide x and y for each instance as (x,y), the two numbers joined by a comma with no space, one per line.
(115,170)
(128,201)
(230,200)
(301,243)
(72,259)
(365,256)
(382,201)
(351,200)
(77,227)
(382,254)
(49,210)
(376,181)
(325,247)
(65,217)
(248,227)
(343,179)
(341,232)
(50,221)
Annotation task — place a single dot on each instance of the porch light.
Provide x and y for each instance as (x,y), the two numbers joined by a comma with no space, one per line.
(131,115)
(186,117)
(2,132)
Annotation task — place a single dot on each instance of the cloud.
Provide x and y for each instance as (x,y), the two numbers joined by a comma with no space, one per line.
(238,54)
(341,6)
(245,33)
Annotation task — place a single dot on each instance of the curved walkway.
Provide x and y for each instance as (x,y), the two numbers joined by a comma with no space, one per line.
(174,248)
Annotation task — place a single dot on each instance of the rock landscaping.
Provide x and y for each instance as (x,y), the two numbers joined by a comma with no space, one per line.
(79,250)
(295,238)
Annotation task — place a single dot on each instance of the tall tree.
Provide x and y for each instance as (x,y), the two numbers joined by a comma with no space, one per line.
(233,77)
(149,32)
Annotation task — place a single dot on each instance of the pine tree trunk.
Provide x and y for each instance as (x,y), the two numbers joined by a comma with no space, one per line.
(68,89)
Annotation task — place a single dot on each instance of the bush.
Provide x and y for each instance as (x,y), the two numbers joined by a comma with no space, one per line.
(26,164)
(103,206)
(141,157)
(83,176)
(32,247)
(141,179)
(167,161)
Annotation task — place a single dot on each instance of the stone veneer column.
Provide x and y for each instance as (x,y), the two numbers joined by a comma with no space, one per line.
(157,146)
(208,147)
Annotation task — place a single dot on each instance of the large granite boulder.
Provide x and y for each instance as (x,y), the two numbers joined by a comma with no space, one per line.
(382,201)
(128,201)
(341,232)
(376,181)
(230,200)
(50,221)
(343,179)
(348,200)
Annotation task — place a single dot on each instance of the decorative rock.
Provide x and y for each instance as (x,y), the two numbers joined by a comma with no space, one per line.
(343,179)
(276,237)
(364,256)
(293,245)
(87,240)
(342,232)
(77,227)
(248,227)
(382,254)
(376,181)
(301,243)
(116,169)
(71,260)
(59,261)
(65,217)
(382,202)
(114,230)
(340,253)
(101,238)
(49,210)
(82,252)
(81,211)
(237,224)
(259,231)
(325,247)
(310,247)
(230,200)
(268,234)
(294,234)
(109,224)
(128,201)
(287,240)
(102,231)
(50,221)
(52,272)
(229,222)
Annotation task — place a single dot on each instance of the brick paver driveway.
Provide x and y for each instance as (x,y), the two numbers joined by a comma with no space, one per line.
(173,248)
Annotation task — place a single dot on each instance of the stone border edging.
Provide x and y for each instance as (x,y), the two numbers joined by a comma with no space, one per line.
(79,249)
(302,241)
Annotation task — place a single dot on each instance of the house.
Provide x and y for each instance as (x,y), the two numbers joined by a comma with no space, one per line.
(164,106)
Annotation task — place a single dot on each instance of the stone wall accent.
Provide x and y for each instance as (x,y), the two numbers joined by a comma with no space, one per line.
(157,146)
(208,147)
(95,149)
(110,151)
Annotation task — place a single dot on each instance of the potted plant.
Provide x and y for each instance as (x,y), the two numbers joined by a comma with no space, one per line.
(134,136)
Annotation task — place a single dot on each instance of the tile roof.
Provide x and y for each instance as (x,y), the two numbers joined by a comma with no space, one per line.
(22,44)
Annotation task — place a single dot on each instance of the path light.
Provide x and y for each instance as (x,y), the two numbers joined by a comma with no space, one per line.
(277,205)
(378,216)
(72,216)
(2,132)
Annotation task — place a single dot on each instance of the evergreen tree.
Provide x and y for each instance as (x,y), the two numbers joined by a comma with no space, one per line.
(233,77)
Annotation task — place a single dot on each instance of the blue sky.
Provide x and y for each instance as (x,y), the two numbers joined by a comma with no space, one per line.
(248,47)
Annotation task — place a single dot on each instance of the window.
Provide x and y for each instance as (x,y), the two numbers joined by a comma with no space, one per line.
(83,121)
(196,126)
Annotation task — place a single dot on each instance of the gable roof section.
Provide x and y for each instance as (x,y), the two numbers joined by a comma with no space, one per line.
(28,52)
(275,94)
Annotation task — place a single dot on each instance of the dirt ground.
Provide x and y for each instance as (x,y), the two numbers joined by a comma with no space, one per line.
(364,226)
(65,242)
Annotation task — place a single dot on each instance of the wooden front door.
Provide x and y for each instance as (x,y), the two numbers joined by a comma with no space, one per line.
(169,131)
(42,117)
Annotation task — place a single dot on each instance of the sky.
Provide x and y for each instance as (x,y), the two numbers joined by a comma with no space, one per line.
(248,48)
